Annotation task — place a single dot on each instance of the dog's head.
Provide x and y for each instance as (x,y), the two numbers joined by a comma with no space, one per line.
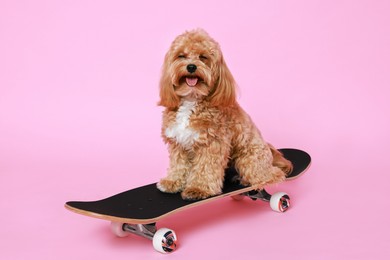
(194,69)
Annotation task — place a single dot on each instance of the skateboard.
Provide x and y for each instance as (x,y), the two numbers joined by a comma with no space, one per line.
(136,211)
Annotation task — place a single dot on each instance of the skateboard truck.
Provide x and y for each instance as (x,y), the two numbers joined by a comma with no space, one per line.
(144,230)
(279,201)
(164,239)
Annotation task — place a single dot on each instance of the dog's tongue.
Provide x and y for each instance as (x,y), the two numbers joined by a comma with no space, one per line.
(191,81)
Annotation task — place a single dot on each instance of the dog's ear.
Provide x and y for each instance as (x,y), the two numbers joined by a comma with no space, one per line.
(168,97)
(224,93)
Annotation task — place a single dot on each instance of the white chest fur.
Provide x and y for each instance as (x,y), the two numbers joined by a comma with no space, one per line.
(180,130)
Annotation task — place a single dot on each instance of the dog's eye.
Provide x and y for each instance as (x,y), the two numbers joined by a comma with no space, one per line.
(181,56)
(202,57)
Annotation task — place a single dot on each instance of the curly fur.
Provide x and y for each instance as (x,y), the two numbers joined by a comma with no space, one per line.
(204,126)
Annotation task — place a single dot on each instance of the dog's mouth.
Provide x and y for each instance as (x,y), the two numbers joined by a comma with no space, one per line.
(192,81)
(191,86)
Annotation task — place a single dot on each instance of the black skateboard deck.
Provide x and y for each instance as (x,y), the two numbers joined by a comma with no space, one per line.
(143,206)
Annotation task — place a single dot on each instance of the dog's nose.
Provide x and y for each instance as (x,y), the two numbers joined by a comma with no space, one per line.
(191,68)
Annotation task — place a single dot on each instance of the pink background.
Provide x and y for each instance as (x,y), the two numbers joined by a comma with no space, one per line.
(79,121)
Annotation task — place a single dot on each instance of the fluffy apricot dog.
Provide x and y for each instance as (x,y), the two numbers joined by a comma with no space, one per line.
(205,128)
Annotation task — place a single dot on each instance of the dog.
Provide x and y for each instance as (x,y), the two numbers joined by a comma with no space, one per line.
(205,128)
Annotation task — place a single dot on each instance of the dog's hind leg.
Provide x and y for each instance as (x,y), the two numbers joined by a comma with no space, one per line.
(253,162)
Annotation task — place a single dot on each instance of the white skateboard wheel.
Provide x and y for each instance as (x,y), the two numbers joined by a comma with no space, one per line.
(280,202)
(164,241)
(117,229)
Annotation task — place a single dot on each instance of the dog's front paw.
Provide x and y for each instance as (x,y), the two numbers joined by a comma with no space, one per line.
(169,186)
(192,193)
